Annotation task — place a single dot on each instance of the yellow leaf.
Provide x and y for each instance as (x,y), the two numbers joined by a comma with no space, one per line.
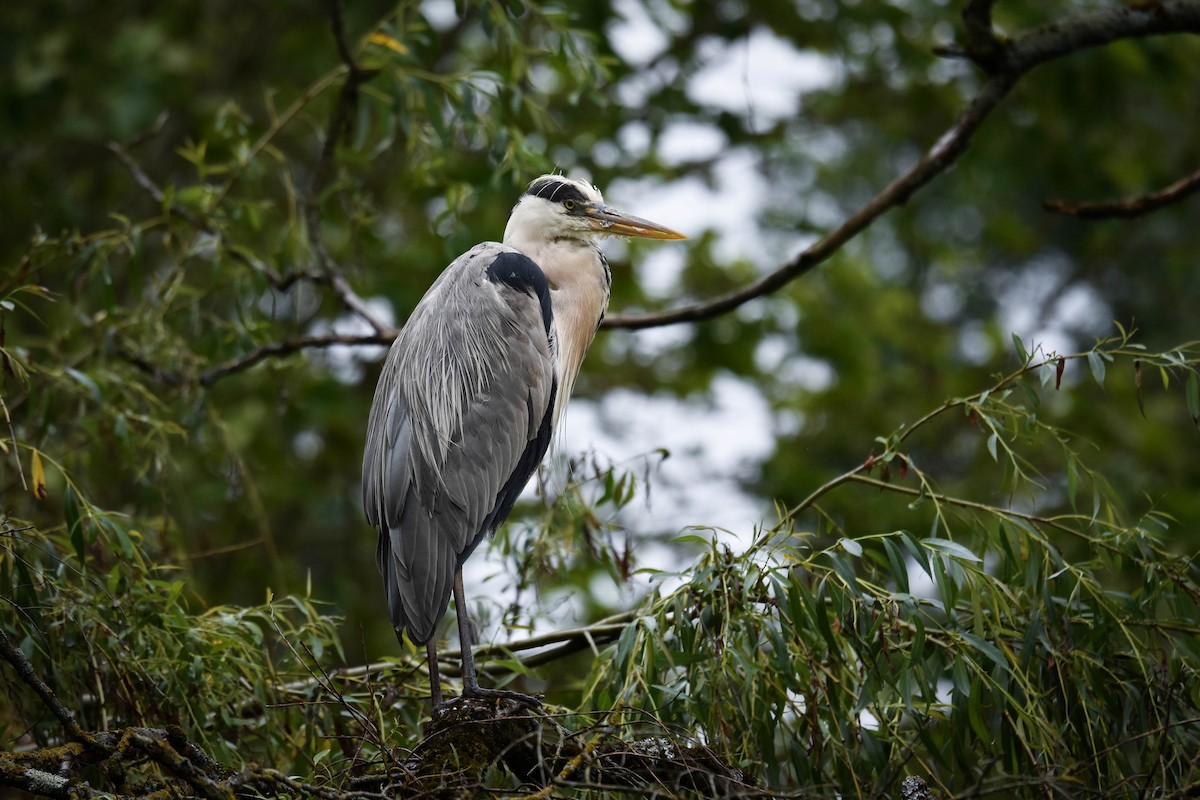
(39,476)
(270,595)
(383,40)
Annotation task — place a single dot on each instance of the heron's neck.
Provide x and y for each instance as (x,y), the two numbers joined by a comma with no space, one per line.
(579,290)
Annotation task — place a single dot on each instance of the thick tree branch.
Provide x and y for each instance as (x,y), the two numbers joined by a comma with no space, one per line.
(1006,63)
(1130,207)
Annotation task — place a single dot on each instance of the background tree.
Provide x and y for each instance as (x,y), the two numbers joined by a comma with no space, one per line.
(981,568)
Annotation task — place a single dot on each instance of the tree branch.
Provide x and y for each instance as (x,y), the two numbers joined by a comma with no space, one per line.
(288,347)
(935,161)
(261,353)
(1005,65)
(1130,207)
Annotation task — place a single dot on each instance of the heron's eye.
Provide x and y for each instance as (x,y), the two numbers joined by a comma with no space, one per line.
(569,205)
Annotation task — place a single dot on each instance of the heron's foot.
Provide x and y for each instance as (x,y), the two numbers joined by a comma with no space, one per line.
(473,692)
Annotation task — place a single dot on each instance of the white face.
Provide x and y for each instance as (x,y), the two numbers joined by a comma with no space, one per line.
(554,207)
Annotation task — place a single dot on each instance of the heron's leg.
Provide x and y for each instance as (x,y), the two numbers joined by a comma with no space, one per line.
(471,687)
(435,675)
(465,639)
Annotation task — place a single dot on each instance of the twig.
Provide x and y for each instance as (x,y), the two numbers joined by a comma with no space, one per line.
(1006,65)
(13,435)
(1129,207)
(151,188)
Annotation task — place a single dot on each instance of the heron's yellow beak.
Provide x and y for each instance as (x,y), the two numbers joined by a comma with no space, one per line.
(607,219)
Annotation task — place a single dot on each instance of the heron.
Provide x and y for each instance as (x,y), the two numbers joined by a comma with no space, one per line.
(471,394)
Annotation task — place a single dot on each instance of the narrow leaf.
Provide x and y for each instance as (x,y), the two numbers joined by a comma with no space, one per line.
(1021,352)
(850,546)
(1097,365)
(988,649)
(950,548)
(1072,478)
(898,565)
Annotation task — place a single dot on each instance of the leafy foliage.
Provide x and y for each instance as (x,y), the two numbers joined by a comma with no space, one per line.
(966,647)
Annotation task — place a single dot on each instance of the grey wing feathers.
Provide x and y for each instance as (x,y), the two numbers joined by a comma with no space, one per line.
(460,421)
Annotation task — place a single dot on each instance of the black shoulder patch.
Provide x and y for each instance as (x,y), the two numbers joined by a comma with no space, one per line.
(557,191)
(519,272)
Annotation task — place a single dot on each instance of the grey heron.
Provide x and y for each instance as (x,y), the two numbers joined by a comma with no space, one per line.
(471,393)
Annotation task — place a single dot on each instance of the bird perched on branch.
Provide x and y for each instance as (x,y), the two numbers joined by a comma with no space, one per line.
(470,396)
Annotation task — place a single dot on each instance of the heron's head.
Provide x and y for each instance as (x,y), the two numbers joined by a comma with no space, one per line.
(556,207)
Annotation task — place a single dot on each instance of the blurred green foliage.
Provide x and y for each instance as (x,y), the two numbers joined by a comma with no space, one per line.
(176,495)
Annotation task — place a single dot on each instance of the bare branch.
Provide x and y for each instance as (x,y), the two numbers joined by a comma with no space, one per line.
(287,347)
(247,360)
(1006,66)
(1130,207)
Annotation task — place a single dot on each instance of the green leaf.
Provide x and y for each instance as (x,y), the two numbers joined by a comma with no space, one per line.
(850,546)
(899,567)
(821,614)
(1072,478)
(953,549)
(1096,362)
(1022,354)
(993,653)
